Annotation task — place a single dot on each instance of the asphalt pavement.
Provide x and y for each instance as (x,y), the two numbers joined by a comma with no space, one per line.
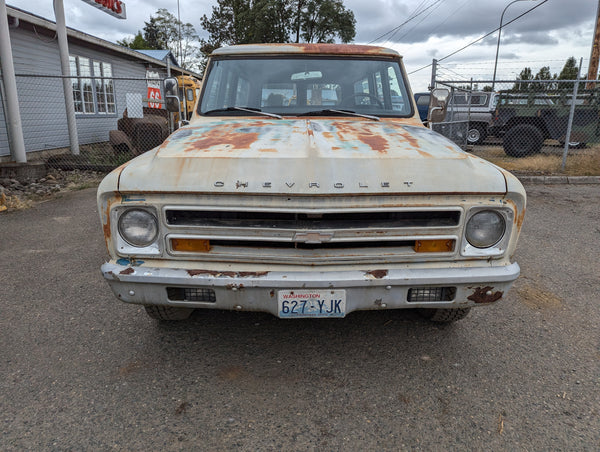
(80,370)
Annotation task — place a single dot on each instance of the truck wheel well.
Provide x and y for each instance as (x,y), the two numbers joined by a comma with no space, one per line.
(529,120)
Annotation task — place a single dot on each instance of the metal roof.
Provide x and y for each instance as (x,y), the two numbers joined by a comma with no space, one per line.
(160,55)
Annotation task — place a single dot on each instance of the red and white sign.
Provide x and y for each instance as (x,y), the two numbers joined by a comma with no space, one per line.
(153,89)
(115,8)
(154,93)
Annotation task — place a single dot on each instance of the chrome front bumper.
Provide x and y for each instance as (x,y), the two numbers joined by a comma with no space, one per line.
(257,291)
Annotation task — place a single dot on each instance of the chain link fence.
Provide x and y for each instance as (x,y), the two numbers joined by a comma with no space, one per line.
(116,119)
(119,118)
(523,118)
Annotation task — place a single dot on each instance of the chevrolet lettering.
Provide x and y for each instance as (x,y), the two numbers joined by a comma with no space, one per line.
(306,186)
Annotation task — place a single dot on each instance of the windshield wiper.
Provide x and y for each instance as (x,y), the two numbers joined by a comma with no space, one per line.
(246,109)
(343,112)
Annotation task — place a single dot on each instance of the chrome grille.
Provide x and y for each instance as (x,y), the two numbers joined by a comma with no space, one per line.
(314,231)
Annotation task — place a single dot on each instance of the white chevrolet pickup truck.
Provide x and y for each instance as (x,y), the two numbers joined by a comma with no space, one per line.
(305,185)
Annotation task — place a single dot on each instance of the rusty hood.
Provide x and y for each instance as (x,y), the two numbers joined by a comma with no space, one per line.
(316,156)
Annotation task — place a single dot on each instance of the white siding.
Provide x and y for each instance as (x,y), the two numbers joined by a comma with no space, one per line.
(41,100)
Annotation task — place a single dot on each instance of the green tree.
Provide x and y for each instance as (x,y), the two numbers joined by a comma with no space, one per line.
(323,21)
(523,79)
(162,32)
(544,74)
(255,21)
(569,72)
(154,34)
(137,43)
(246,22)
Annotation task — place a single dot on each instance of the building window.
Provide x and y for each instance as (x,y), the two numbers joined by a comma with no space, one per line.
(93,91)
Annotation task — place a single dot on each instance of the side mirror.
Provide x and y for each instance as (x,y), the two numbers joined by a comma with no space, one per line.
(437,105)
(171,95)
(171,86)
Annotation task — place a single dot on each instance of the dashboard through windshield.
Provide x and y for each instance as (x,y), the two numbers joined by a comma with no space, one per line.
(296,86)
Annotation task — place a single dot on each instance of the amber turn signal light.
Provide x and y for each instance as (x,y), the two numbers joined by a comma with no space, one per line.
(190,245)
(434,246)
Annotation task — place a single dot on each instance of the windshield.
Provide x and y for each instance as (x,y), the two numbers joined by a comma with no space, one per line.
(305,85)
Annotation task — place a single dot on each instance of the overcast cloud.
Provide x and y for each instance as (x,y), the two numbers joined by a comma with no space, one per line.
(547,36)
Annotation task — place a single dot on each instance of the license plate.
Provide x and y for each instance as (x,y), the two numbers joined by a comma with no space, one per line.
(311,303)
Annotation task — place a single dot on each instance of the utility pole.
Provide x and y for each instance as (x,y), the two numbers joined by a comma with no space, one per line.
(12,113)
(63,51)
(595,55)
(434,64)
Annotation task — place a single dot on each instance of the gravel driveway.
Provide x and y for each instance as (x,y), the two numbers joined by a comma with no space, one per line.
(82,371)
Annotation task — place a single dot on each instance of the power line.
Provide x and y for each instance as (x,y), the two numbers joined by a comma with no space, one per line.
(449,16)
(406,21)
(417,24)
(481,38)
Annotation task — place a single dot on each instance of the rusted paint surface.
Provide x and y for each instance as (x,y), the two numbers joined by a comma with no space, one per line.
(377,274)
(106,225)
(519,215)
(307,48)
(127,271)
(376,142)
(520,219)
(227,274)
(485,295)
(234,286)
(237,138)
(298,156)
(225,137)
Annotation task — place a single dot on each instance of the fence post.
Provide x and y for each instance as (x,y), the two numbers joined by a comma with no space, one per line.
(571,116)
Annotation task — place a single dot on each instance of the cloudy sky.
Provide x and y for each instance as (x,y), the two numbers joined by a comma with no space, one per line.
(546,36)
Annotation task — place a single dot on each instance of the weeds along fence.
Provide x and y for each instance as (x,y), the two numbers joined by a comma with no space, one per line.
(116,119)
(523,117)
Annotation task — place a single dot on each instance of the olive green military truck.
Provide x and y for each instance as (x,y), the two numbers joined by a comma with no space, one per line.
(526,120)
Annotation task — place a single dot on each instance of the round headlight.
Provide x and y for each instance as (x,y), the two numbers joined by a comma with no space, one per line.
(485,229)
(138,227)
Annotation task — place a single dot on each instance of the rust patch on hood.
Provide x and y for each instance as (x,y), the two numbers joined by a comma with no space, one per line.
(225,135)
(349,131)
(376,142)
(485,295)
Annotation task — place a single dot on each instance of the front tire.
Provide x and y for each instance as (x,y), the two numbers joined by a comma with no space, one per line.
(523,140)
(445,315)
(167,312)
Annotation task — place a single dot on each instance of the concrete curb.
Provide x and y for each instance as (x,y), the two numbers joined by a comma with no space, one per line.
(563,180)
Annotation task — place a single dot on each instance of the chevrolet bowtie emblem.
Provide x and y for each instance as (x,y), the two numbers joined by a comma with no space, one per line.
(313,237)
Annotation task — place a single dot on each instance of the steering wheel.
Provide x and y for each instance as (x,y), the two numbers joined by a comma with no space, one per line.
(346,101)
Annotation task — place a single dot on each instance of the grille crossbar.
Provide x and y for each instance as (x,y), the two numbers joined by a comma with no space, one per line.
(329,220)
